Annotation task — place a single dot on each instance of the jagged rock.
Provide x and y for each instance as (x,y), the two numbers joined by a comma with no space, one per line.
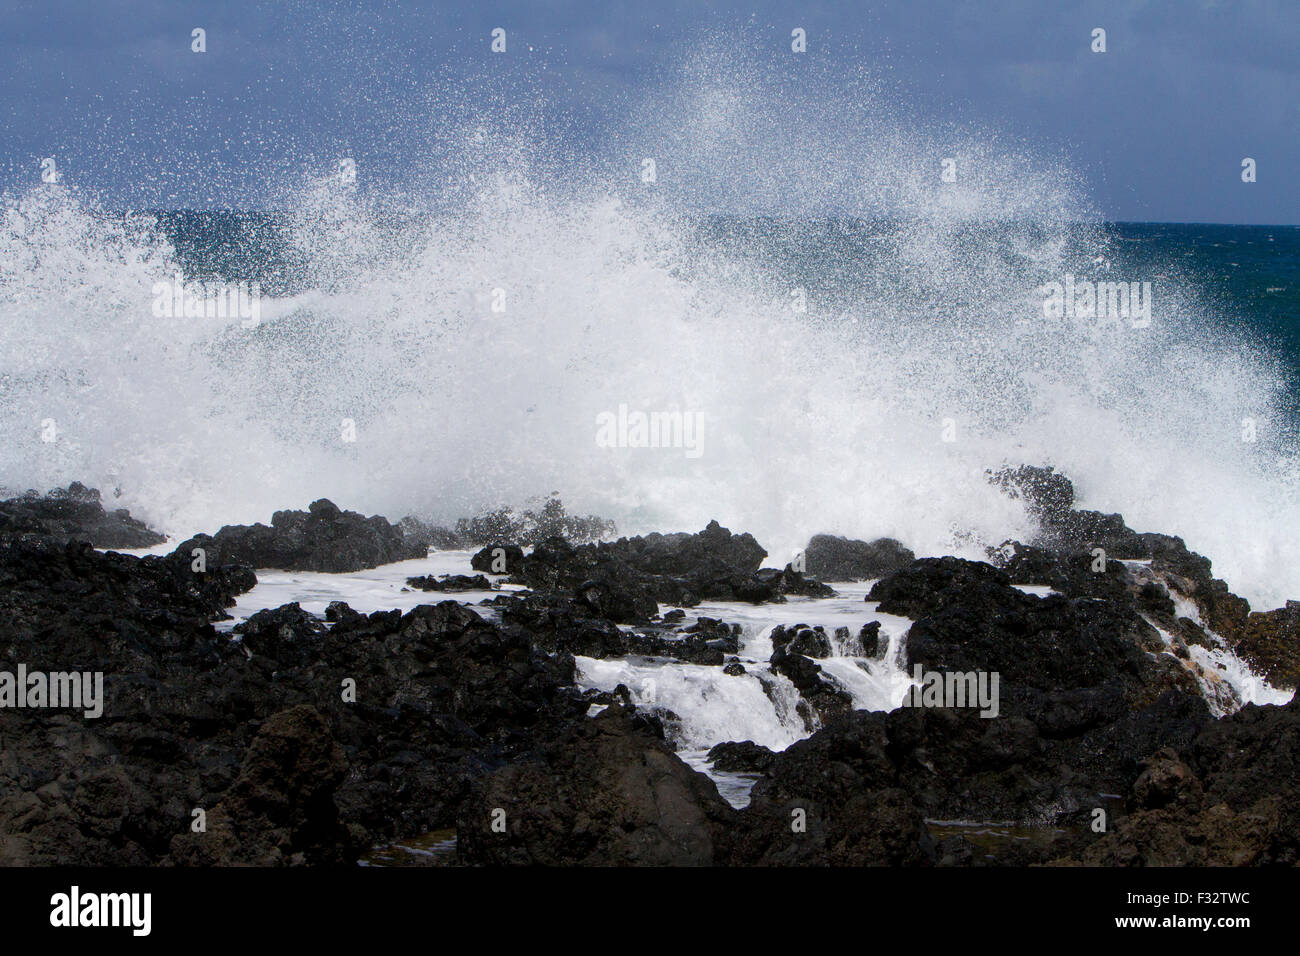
(42,575)
(499,558)
(822,700)
(793,582)
(288,634)
(75,513)
(305,742)
(559,623)
(1067,664)
(1050,498)
(1154,598)
(677,569)
(688,555)
(1048,495)
(801,639)
(930,583)
(280,810)
(605,793)
(1215,836)
(1230,800)
(831,558)
(419,703)
(1165,781)
(1270,642)
(869,639)
(337,611)
(707,636)
(1069,572)
(451,582)
(323,538)
(608,596)
(822,802)
(743,756)
(946,763)
(562,623)
(1065,532)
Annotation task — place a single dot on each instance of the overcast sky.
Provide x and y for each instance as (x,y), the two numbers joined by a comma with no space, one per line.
(1156,127)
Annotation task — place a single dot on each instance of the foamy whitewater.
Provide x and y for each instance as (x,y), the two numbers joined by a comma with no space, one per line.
(614,293)
(703,705)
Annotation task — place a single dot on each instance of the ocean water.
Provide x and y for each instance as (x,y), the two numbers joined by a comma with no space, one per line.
(848,374)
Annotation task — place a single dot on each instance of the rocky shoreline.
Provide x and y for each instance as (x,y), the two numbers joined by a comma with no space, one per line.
(304,739)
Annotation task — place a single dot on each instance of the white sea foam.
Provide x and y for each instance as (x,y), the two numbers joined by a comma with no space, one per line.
(827,420)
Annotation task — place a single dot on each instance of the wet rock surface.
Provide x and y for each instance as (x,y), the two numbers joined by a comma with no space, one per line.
(832,558)
(305,740)
(585,626)
(498,559)
(451,583)
(743,756)
(1270,642)
(603,793)
(628,578)
(302,743)
(75,513)
(280,809)
(1229,797)
(322,538)
(821,700)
